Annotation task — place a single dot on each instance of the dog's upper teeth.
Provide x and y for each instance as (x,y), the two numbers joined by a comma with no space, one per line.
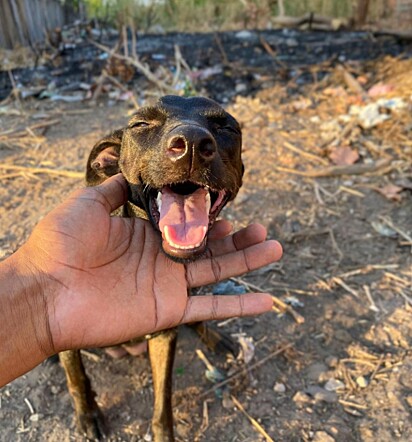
(208,202)
(159,201)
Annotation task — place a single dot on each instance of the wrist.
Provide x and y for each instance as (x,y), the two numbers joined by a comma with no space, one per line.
(25,338)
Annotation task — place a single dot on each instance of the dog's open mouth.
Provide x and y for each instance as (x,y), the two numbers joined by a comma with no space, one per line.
(184,213)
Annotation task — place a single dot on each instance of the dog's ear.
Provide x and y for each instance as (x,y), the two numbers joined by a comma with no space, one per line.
(103,160)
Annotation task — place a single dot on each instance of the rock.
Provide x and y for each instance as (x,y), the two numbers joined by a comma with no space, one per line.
(315,370)
(321,395)
(334,384)
(301,398)
(322,436)
(34,417)
(279,387)
(244,35)
(362,382)
(240,87)
(291,42)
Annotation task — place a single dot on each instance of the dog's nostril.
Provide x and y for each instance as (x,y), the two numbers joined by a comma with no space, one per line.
(207,149)
(177,146)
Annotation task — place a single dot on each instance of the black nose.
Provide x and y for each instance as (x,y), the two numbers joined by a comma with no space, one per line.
(191,143)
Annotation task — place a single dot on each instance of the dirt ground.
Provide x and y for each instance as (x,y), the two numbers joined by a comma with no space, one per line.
(345,373)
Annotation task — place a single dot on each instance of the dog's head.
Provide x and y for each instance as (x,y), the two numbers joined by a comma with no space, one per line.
(182,161)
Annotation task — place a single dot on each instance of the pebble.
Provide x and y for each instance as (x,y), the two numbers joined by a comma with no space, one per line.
(362,381)
(301,398)
(321,395)
(334,384)
(279,387)
(315,370)
(322,436)
(34,417)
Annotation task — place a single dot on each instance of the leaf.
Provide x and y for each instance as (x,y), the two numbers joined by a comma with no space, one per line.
(380,89)
(344,156)
(391,191)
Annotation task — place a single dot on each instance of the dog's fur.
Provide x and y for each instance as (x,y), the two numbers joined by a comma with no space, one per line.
(187,149)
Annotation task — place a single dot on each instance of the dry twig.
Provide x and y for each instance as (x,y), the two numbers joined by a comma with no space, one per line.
(138,65)
(45,170)
(354,169)
(253,421)
(305,154)
(245,370)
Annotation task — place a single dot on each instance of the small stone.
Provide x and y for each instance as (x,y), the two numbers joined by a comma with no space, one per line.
(409,401)
(322,436)
(362,381)
(291,42)
(240,87)
(301,398)
(279,387)
(315,370)
(34,417)
(54,389)
(244,35)
(334,384)
(322,395)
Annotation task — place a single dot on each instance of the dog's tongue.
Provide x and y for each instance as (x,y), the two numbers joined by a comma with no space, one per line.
(184,218)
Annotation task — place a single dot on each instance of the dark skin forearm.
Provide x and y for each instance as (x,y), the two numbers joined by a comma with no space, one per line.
(25,340)
(87,279)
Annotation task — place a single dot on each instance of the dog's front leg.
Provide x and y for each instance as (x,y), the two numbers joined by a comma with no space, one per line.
(88,416)
(162,352)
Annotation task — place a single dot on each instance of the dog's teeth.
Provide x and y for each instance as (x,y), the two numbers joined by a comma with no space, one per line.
(159,201)
(180,247)
(208,203)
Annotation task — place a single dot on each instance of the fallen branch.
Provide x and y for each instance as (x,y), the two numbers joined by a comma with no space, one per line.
(45,170)
(138,65)
(303,153)
(247,369)
(279,306)
(252,420)
(334,171)
(287,308)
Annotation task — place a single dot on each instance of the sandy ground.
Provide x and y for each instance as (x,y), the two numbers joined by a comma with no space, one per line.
(345,373)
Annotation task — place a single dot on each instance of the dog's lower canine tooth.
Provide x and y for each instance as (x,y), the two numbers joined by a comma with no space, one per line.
(159,201)
(208,202)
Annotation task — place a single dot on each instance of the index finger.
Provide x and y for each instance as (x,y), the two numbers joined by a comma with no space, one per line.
(214,269)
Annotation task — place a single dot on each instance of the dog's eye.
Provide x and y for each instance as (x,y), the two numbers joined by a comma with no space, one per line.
(139,124)
(229,129)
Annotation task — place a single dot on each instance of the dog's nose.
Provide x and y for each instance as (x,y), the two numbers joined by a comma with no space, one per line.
(191,143)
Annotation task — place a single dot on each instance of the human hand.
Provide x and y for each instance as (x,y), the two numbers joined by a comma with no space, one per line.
(105,280)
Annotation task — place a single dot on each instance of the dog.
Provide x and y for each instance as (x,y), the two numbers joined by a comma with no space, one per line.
(182,161)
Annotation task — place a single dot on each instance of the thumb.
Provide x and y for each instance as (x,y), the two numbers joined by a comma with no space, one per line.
(112,193)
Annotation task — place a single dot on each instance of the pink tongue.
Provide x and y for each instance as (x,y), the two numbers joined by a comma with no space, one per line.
(184,218)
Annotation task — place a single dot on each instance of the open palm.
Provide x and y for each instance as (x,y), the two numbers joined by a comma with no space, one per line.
(109,281)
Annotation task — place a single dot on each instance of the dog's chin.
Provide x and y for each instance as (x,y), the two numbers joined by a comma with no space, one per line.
(184,256)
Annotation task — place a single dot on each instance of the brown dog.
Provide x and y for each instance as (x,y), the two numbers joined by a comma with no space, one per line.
(182,161)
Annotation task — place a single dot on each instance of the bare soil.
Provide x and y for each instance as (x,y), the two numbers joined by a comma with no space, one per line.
(345,373)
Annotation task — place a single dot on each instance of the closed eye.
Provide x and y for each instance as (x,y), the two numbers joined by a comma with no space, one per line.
(139,124)
(229,129)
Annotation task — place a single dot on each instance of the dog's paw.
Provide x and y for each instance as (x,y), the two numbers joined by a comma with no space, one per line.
(91,425)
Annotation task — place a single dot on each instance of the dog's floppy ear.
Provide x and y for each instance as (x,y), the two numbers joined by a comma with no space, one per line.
(103,160)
